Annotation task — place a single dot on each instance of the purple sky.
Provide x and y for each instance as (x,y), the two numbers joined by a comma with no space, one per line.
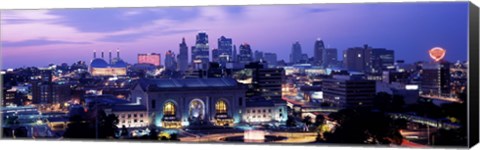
(40,37)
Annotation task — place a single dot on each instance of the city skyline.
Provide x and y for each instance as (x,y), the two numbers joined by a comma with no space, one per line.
(157,30)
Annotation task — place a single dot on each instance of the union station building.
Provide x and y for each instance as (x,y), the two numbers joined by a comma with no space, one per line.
(175,103)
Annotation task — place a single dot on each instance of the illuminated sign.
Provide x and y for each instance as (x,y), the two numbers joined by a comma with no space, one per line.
(411,87)
(437,53)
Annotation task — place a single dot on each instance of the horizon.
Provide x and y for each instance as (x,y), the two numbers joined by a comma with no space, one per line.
(157,30)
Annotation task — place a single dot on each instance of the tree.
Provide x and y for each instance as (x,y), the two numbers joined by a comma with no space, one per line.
(389,103)
(290,121)
(124,131)
(363,127)
(307,120)
(79,128)
(319,120)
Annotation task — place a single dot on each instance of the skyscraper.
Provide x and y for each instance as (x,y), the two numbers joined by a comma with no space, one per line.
(348,91)
(225,49)
(200,52)
(379,59)
(245,55)
(170,62)
(271,59)
(368,59)
(266,82)
(182,57)
(234,54)
(258,55)
(215,54)
(354,59)
(318,52)
(330,57)
(296,54)
(435,79)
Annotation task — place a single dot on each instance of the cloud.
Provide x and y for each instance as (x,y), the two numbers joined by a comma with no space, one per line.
(37,42)
(318,10)
(103,20)
(131,37)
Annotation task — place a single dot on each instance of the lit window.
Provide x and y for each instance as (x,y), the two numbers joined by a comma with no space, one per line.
(169,109)
(221,106)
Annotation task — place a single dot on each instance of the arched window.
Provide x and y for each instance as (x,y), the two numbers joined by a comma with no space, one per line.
(221,106)
(169,109)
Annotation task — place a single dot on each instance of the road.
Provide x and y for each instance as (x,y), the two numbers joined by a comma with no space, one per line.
(301,137)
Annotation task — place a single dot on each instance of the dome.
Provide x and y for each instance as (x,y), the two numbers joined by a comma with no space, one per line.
(119,64)
(98,63)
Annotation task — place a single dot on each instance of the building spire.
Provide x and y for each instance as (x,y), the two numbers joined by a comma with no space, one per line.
(102,54)
(110,56)
(94,54)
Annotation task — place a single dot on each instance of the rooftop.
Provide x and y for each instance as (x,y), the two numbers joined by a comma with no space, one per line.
(188,83)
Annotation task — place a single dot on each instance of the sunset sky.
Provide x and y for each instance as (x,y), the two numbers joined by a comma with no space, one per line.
(40,37)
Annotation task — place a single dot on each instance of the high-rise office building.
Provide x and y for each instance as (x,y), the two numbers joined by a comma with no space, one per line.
(354,59)
(170,62)
(379,59)
(330,57)
(296,54)
(318,52)
(368,59)
(201,51)
(258,55)
(182,57)
(348,91)
(234,54)
(215,55)
(271,59)
(49,93)
(266,82)
(245,55)
(151,58)
(435,79)
(225,50)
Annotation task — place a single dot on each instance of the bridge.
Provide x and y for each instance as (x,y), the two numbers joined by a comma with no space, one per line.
(437,123)
(442,98)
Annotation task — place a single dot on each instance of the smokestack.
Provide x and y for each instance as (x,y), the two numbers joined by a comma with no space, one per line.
(118,53)
(102,54)
(110,56)
(94,54)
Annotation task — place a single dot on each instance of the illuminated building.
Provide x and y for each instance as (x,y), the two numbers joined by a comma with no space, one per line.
(225,50)
(266,82)
(348,91)
(151,58)
(245,55)
(201,51)
(49,93)
(259,110)
(435,79)
(435,76)
(99,67)
(196,101)
(131,115)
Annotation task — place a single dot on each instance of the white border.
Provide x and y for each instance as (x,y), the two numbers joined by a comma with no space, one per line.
(42,4)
